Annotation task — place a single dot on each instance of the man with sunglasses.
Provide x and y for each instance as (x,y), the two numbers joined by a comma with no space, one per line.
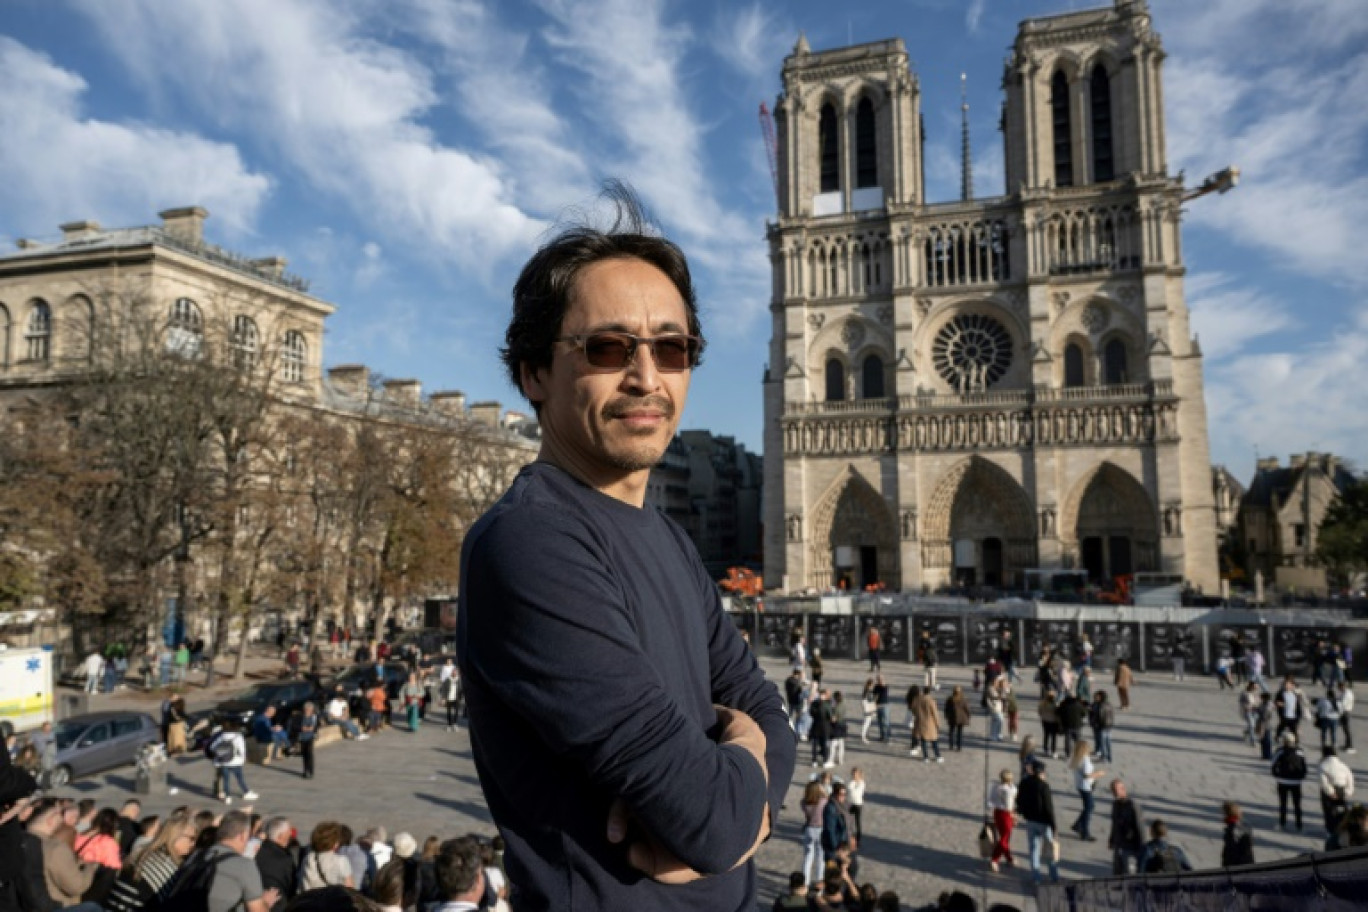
(592,643)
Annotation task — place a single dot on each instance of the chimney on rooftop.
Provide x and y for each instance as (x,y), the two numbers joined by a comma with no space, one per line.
(186,223)
(1267,464)
(79,231)
(1298,460)
(407,394)
(273,266)
(351,380)
(486,412)
(448,403)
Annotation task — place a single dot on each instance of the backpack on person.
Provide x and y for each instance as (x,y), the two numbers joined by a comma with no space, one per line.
(1163,861)
(189,890)
(1289,764)
(221,750)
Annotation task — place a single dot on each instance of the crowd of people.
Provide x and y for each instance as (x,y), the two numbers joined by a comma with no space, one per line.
(1076,720)
(58,853)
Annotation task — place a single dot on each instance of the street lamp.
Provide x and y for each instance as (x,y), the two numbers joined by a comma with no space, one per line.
(1222,181)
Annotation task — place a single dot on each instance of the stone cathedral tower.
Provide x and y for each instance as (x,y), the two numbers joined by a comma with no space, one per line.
(959,392)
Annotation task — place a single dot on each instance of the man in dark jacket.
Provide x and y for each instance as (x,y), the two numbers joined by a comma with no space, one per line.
(836,823)
(20,855)
(1160,855)
(1072,712)
(820,733)
(1127,838)
(1289,770)
(1238,842)
(793,695)
(275,862)
(1036,806)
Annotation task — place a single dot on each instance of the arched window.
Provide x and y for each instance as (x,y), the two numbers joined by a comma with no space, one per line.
(1063,140)
(830,143)
(1073,365)
(873,378)
(293,354)
(835,380)
(1103,166)
(246,341)
(38,333)
(185,335)
(1114,362)
(866,146)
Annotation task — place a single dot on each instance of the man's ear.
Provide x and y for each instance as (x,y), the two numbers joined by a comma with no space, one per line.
(531,382)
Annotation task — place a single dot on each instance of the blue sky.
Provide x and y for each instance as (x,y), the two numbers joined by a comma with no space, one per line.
(406,155)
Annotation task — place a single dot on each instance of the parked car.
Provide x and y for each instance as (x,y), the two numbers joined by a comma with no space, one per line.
(288,697)
(99,741)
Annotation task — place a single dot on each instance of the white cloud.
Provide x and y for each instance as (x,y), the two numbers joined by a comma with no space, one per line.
(1226,316)
(634,62)
(973,15)
(751,40)
(59,164)
(1292,119)
(1290,401)
(347,112)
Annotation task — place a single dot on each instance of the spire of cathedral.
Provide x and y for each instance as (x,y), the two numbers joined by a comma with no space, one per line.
(966,160)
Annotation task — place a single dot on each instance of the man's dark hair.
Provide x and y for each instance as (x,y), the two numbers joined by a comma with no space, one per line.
(1158,829)
(546,285)
(457,867)
(1327,750)
(797,881)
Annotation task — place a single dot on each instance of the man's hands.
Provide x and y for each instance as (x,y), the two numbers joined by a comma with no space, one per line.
(646,853)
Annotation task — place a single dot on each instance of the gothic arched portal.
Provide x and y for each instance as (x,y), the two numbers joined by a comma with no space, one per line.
(980,528)
(1109,525)
(854,537)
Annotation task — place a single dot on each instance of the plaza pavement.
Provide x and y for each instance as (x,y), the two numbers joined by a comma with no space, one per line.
(1180,748)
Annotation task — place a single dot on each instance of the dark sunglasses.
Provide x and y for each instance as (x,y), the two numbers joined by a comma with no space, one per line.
(613,351)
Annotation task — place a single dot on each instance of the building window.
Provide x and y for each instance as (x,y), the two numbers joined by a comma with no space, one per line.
(185,335)
(835,380)
(292,356)
(1063,142)
(971,352)
(1114,362)
(246,341)
(866,146)
(1103,165)
(1299,535)
(829,140)
(1073,365)
(873,377)
(39,332)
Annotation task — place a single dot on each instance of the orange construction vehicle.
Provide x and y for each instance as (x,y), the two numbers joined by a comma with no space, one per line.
(742,581)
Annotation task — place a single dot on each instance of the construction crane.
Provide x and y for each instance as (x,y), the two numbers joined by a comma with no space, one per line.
(771,148)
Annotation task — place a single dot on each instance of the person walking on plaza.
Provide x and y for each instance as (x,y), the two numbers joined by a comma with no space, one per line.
(1160,855)
(793,695)
(1289,704)
(1336,788)
(1002,805)
(815,667)
(1345,692)
(1036,806)
(1178,653)
(820,731)
(308,731)
(957,716)
(996,704)
(94,669)
(1101,718)
(1289,771)
(926,727)
(1127,837)
(451,698)
(1085,776)
(1249,711)
(1237,842)
(813,807)
(1264,724)
(856,790)
(874,643)
(836,834)
(1072,713)
(1254,664)
(840,727)
(881,708)
(798,659)
(1049,724)
(229,750)
(1328,716)
(412,695)
(869,708)
(928,657)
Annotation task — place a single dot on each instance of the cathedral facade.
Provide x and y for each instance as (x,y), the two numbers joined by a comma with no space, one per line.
(962,392)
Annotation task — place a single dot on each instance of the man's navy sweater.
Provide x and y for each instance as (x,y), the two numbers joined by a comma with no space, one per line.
(593,646)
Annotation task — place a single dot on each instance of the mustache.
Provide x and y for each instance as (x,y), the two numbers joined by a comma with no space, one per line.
(620,408)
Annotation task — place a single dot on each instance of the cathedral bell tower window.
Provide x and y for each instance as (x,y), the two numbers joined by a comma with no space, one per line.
(1063,135)
(830,143)
(1104,168)
(866,148)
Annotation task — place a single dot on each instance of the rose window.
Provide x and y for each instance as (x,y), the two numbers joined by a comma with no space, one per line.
(972,352)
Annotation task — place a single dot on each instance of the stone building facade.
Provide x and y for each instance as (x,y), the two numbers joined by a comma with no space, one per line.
(959,392)
(711,486)
(1281,514)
